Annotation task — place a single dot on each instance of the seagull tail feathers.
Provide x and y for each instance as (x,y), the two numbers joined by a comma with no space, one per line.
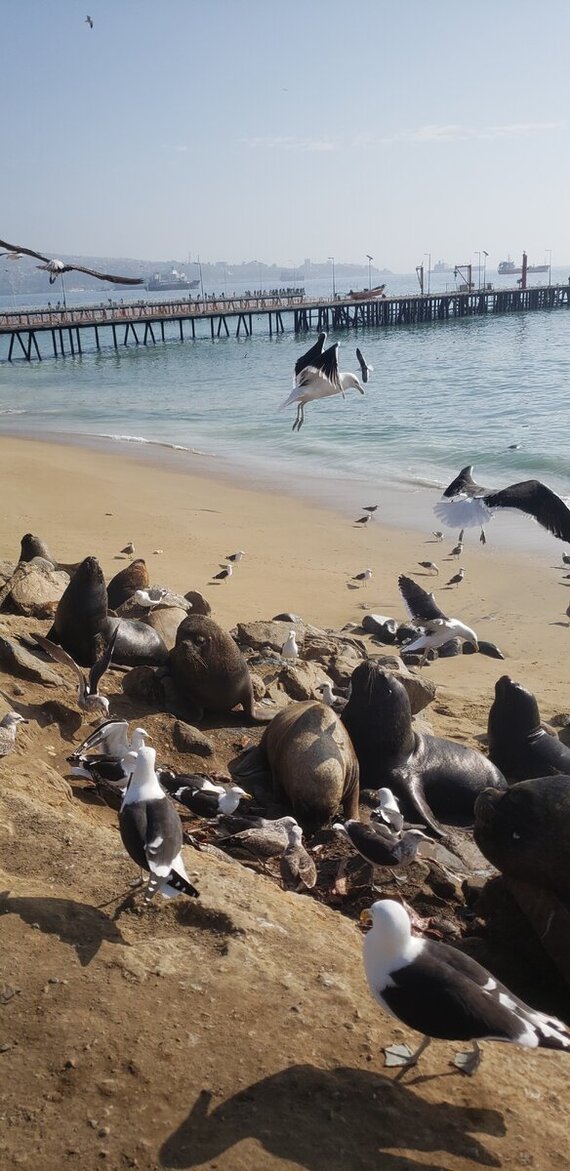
(177,885)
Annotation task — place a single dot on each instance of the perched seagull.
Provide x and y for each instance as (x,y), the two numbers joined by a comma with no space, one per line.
(330,698)
(290,650)
(363,520)
(113,764)
(467,503)
(129,549)
(317,376)
(158,596)
(388,810)
(268,840)
(88,697)
(365,369)
(8,727)
(437,534)
(298,871)
(57,267)
(88,21)
(436,626)
(236,557)
(456,579)
(366,575)
(369,508)
(443,993)
(457,550)
(224,573)
(151,831)
(206,801)
(431,565)
(378,845)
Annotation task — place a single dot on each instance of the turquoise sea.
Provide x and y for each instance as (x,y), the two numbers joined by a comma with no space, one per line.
(441,396)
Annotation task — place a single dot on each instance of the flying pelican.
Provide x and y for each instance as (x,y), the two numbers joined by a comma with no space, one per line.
(317,376)
(58,267)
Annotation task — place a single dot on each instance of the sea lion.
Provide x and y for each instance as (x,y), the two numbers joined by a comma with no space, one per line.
(428,775)
(209,669)
(313,764)
(525,832)
(125,583)
(518,744)
(81,622)
(31,547)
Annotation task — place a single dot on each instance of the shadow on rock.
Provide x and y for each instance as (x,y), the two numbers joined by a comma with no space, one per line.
(82,926)
(328,1120)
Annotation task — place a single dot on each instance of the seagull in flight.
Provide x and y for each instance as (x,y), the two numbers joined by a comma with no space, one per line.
(466,503)
(58,267)
(437,628)
(317,376)
(88,20)
(88,697)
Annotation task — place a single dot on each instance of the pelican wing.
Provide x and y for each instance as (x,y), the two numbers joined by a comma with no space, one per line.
(535,499)
(103,662)
(463,484)
(106,276)
(421,605)
(312,356)
(26,251)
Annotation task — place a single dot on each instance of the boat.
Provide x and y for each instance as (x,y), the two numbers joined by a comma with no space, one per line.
(442,266)
(509,268)
(173,281)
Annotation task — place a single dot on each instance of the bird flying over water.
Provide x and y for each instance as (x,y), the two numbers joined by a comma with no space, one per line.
(57,267)
(467,503)
(317,376)
(437,628)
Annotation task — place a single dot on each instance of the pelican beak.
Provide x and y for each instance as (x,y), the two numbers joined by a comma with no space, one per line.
(365,918)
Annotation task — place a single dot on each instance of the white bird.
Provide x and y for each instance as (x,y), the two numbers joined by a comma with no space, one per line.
(57,267)
(442,992)
(388,810)
(290,650)
(466,503)
(437,627)
(8,728)
(364,576)
(317,376)
(88,698)
(159,596)
(236,557)
(151,830)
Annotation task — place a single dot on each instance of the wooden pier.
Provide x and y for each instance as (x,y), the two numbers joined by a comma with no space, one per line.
(54,333)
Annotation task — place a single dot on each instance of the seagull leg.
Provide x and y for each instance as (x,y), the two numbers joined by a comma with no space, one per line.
(413,1060)
(469,1063)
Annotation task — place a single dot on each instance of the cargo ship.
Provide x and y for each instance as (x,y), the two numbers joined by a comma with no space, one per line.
(509,268)
(166,282)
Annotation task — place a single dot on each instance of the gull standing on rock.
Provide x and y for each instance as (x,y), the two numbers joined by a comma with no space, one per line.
(290,650)
(436,626)
(378,845)
(8,727)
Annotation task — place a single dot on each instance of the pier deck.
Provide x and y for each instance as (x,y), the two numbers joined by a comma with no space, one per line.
(52,333)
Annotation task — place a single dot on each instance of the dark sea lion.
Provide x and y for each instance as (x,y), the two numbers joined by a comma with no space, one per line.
(125,583)
(518,744)
(525,832)
(428,775)
(81,623)
(31,547)
(209,669)
(313,764)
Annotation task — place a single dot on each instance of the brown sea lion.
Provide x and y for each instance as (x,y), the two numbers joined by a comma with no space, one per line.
(518,744)
(525,832)
(124,584)
(208,668)
(428,774)
(81,622)
(31,547)
(312,762)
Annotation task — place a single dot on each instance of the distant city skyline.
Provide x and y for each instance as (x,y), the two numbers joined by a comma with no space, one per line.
(260,131)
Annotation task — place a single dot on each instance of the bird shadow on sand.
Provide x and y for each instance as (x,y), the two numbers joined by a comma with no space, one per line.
(53,711)
(82,926)
(328,1120)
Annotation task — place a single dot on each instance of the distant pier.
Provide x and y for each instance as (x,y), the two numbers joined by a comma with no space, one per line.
(58,333)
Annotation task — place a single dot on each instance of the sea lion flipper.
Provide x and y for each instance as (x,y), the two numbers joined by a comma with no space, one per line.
(415,791)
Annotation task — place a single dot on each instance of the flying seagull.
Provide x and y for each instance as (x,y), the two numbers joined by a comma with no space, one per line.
(317,376)
(57,267)
(466,503)
(443,993)
(365,369)
(88,697)
(8,727)
(437,628)
(88,20)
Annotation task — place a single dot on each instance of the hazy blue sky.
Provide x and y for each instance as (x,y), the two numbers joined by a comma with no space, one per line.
(241,129)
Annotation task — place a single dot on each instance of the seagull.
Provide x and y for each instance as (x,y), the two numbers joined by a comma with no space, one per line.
(298,871)
(151,830)
(129,549)
(378,845)
(317,376)
(456,579)
(388,810)
(443,993)
(8,728)
(437,534)
(113,764)
(57,267)
(365,369)
(566,558)
(465,502)
(88,21)
(431,565)
(206,801)
(436,626)
(369,508)
(366,575)
(88,697)
(268,840)
(457,550)
(158,596)
(363,520)
(330,698)
(290,650)
(236,557)
(224,573)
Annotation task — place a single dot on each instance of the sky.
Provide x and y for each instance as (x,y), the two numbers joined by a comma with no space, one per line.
(247,129)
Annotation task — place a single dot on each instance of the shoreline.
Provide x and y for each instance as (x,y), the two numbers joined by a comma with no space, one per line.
(300,557)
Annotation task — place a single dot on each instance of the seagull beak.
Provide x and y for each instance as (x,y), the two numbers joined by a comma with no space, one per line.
(476,645)
(246,797)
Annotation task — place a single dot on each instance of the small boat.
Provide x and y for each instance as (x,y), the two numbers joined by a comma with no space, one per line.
(164,282)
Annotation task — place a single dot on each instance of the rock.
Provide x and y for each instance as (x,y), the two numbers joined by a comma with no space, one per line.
(144,684)
(340,668)
(260,635)
(564,735)
(186,738)
(36,588)
(19,662)
(292,618)
(561,720)
(300,680)
(198,603)
(421,691)
(258,686)
(165,620)
(67,719)
(7,569)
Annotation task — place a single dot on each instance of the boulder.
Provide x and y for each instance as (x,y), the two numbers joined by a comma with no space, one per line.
(198,602)
(258,686)
(187,738)
(165,620)
(300,680)
(19,662)
(36,588)
(260,635)
(7,569)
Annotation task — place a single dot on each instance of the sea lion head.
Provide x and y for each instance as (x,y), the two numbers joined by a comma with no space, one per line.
(379,710)
(525,831)
(514,708)
(126,582)
(31,547)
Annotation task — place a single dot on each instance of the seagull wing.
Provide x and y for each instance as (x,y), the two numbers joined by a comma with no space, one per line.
(96,737)
(535,499)
(328,365)
(61,656)
(103,662)
(312,355)
(105,276)
(26,251)
(364,367)
(420,604)
(163,841)
(463,484)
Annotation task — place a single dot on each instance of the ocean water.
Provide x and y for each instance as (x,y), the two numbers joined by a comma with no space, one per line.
(441,396)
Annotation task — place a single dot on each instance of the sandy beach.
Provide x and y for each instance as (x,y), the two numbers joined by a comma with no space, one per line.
(299,557)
